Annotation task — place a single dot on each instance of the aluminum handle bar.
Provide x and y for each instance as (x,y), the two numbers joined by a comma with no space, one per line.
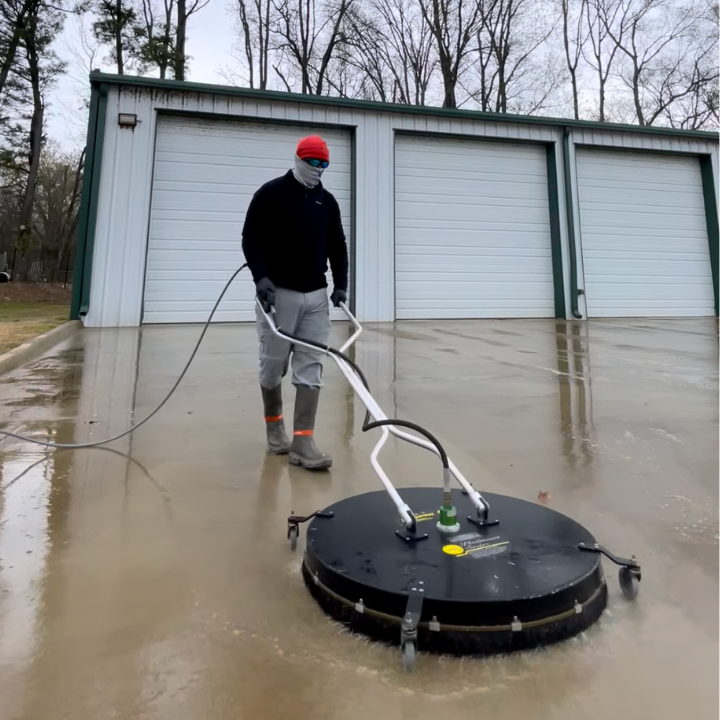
(406,515)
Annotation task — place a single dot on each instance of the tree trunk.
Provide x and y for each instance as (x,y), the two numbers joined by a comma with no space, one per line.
(13,44)
(70,219)
(179,65)
(572,69)
(165,59)
(118,37)
(636,95)
(264,32)
(36,131)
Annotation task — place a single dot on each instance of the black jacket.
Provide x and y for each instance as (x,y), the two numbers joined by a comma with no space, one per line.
(291,232)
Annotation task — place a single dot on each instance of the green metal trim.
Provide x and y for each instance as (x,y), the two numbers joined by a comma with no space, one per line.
(352,245)
(94,198)
(570,215)
(87,220)
(81,232)
(175,86)
(555,235)
(711,218)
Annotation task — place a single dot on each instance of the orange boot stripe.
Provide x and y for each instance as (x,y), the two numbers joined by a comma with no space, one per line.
(276,418)
(303,433)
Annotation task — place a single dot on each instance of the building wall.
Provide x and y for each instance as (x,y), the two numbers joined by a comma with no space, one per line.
(126,179)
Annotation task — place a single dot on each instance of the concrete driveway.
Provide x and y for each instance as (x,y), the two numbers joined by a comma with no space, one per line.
(156,581)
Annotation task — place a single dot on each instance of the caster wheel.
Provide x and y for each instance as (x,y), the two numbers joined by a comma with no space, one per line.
(409,654)
(629,583)
(293,537)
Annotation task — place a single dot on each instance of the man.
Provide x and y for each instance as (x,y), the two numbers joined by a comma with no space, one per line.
(292,228)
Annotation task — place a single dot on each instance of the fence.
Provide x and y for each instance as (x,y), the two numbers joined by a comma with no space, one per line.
(34,268)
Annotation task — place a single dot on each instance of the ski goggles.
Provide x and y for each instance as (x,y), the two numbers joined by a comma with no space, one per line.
(317,163)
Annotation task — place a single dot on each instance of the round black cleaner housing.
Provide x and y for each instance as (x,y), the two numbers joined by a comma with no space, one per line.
(519,581)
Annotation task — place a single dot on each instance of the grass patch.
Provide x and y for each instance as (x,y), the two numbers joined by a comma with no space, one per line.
(20,322)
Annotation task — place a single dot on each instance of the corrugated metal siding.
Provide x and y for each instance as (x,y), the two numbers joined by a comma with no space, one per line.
(116,293)
(124,204)
(472,230)
(644,237)
(206,172)
(642,142)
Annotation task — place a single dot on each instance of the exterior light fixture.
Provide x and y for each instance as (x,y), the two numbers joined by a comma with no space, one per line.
(127,120)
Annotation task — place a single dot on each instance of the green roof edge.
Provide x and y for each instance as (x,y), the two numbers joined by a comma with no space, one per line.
(97,77)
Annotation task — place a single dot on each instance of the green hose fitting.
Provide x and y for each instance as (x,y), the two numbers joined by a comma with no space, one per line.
(448,515)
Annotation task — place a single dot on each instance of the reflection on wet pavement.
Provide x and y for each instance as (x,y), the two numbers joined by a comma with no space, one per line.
(153,579)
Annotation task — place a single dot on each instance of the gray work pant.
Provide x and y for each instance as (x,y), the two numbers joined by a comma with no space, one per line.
(306,315)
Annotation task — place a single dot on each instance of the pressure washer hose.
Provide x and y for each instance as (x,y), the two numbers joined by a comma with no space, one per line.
(79,446)
(367,425)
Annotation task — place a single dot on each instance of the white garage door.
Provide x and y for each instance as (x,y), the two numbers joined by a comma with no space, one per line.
(472,230)
(206,172)
(644,238)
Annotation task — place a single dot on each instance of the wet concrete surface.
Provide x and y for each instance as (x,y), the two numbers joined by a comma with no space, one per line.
(155,580)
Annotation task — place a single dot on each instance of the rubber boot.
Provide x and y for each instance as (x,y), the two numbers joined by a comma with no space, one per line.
(303,450)
(277,440)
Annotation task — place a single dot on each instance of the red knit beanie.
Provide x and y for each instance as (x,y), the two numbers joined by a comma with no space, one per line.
(313,146)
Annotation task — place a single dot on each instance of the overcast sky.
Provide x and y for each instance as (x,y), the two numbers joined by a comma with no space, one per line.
(211,35)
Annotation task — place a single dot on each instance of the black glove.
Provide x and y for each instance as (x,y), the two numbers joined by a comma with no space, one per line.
(337,297)
(266,293)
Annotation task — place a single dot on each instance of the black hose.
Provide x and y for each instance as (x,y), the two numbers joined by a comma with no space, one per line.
(78,446)
(417,428)
(367,425)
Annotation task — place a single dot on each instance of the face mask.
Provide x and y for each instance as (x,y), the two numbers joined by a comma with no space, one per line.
(306,174)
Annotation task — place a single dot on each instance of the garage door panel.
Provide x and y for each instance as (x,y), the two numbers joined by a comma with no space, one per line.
(644,235)
(468,211)
(506,308)
(185,234)
(417,202)
(421,156)
(511,243)
(472,230)
(459,259)
(205,174)
(218,168)
(600,222)
(667,211)
(218,260)
(476,288)
(521,224)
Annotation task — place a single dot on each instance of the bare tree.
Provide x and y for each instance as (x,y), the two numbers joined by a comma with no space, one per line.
(367,56)
(185,10)
(605,31)
(681,88)
(413,56)
(57,202)
(453,24)
(83,52)
(573,14)
(254,20)
(392,47)
(157,31)
(509,50)
(308,39)
(654,36)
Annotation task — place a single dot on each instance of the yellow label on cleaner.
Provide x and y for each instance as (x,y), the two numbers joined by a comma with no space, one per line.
(425,516)
(476,546)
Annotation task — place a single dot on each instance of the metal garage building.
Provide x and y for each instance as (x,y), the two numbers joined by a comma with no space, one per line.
(449,214)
